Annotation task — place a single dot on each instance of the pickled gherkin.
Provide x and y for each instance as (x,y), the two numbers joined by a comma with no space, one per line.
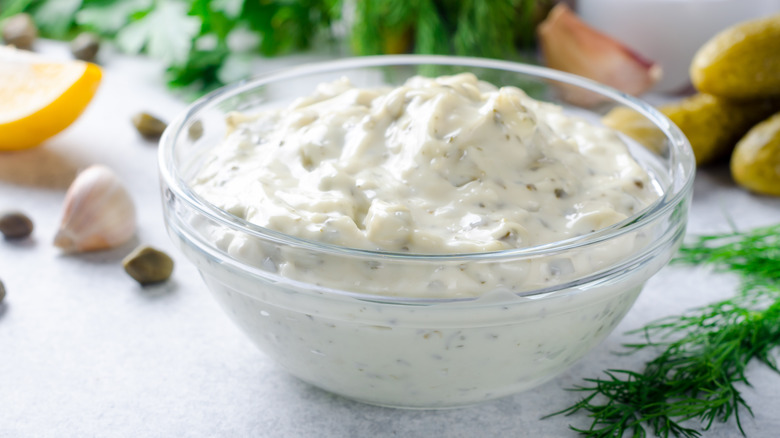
(741,62)
(713,125)
(636,126)
(755,163)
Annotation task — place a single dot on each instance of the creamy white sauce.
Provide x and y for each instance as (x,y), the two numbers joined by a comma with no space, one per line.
(436,166)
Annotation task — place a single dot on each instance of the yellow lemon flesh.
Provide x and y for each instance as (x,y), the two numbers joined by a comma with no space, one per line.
(39,98)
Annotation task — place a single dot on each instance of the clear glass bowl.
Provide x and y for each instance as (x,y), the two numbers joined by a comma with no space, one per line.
(365,342)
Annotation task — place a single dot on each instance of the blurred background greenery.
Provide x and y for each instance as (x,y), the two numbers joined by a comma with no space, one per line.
(206,43)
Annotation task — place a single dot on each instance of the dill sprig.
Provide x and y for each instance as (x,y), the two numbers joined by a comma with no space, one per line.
(754,255)
(493,29)
(702,354)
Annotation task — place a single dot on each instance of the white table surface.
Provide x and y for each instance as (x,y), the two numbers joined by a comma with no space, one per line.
(86,352)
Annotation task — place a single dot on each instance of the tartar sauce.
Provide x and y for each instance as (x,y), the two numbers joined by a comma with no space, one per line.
(436,166)
(449,165)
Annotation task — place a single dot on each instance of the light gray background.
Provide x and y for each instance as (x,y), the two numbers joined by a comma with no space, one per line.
(85,351)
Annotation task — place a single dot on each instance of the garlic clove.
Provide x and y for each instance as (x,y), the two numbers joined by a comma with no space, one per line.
(571,45)
(98,212)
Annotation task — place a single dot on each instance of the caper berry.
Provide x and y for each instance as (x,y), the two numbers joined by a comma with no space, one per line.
(85,46)
(148,265)
(196,130)
(20,31)
(15,225)
(149,126)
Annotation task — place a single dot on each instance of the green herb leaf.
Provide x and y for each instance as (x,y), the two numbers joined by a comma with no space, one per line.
(702,355)
(200,73)
(54,17)
(166,29)
(287,25)
(754,255)
(13,7)
(464,27)
(235,66)
(166,32)
(108,17)
(485,29)
(230,8)
(431,36)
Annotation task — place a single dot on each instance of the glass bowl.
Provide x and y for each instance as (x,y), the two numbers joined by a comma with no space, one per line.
(369,341)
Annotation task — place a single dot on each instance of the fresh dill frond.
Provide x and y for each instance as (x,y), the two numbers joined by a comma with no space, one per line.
(702,355)
(754,255)
(493,29)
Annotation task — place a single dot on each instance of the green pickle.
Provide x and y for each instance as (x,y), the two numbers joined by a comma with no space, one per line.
(636,126)
(713,125)
(755,163)
(741,62)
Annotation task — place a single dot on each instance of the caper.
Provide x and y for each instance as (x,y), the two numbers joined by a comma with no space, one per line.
(2,291)
(196,130)
(85,46)
(20,31)
(148,265)
(149,126)
(15,225)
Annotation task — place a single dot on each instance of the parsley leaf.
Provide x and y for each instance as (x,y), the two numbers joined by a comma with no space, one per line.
(108,17)
(56,16)
(13,7)
(166,32)
(230,8)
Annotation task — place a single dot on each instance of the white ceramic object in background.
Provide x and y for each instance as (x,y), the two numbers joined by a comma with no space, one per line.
(670,31)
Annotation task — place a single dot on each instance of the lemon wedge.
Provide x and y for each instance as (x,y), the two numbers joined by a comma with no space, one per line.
(39,97)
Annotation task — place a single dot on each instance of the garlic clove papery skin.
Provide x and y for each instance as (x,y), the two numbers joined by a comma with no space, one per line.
(98,212)
(571,45)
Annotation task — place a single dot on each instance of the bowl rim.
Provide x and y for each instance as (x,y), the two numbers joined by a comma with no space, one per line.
(682,161)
